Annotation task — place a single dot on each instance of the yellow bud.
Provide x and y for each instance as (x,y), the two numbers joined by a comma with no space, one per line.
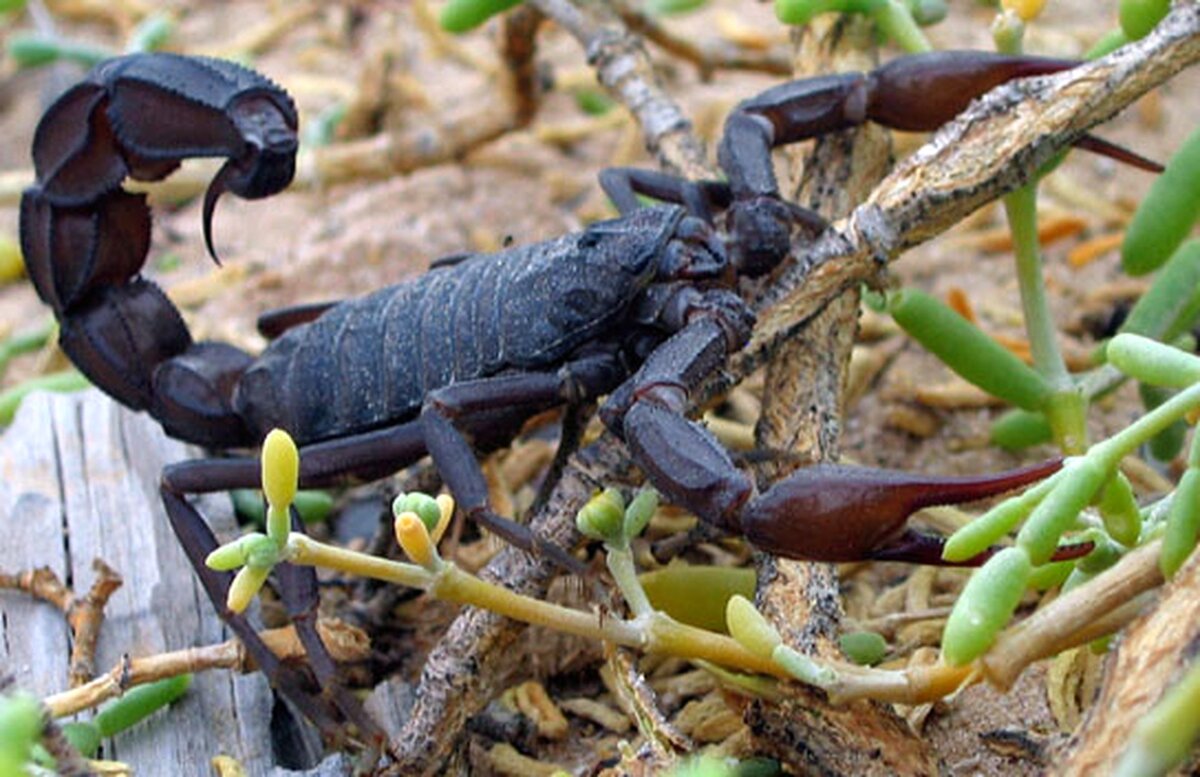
(246,583)
(748,626)
(12,266)
(414,538)
(280,469)
(227,557)
(1026,9)
(445,503)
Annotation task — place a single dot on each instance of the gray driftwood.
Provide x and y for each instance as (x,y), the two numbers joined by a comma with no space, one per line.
(79,480)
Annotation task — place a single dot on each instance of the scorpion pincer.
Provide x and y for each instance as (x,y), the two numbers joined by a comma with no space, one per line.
(639,308)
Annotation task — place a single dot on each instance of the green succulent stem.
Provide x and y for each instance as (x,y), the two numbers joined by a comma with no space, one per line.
(651,631)
(620,564)
(894,18)
(1126,441)
(65,381)
(33,50)
(989,528)
(1183,519)
(1065,407)
(124,713)
(279,524)
(25,342)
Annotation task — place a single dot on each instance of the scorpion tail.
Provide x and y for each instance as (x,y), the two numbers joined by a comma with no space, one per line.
(85,239)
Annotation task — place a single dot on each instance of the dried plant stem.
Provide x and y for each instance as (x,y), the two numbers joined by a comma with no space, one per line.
(624,68)
(1092,610)
(345,643)
(1152,658)
(84,615)
(708,56)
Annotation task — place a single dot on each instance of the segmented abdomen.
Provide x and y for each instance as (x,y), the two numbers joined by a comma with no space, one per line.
(370,362)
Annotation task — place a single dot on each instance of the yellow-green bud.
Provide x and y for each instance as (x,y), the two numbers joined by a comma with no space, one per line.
(280,468)
(425,507)
(246,584)
(232,555)
(748,626)
(603,517)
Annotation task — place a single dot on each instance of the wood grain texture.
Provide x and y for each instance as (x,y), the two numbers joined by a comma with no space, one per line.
(79,480)
(1152,655)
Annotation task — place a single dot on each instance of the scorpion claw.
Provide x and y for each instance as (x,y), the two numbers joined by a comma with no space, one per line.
(1111,150)
(914,547)
(830,512)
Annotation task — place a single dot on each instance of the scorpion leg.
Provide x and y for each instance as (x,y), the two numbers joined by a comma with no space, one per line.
(297,586)
(454,410)
(916,93)
(624,184)
(298,589)
(680,457)
(198,541)
(273,323)
(368,456)
(823,512)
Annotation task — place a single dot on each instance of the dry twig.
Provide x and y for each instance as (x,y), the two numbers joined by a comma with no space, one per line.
(1150,658)
(345,643)
(84,615)
(708,56)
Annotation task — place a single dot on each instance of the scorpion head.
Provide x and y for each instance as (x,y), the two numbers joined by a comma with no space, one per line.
(695,253)
(762,232)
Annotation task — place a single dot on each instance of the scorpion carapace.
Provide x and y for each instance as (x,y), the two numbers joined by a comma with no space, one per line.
(640,308)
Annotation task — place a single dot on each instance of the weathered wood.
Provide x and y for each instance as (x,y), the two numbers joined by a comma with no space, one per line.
(79,480)
(1152,656)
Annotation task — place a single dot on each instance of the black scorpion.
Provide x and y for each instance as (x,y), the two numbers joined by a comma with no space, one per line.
(639,308)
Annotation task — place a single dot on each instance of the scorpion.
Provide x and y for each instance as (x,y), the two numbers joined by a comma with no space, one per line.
(640,308)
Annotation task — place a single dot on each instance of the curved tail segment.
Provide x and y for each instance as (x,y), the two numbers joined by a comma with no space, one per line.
(85,239)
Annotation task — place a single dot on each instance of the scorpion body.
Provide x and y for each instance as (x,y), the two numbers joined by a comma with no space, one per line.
(372,361)
(639,308)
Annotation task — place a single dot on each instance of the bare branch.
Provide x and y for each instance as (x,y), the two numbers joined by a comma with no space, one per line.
(623,67)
